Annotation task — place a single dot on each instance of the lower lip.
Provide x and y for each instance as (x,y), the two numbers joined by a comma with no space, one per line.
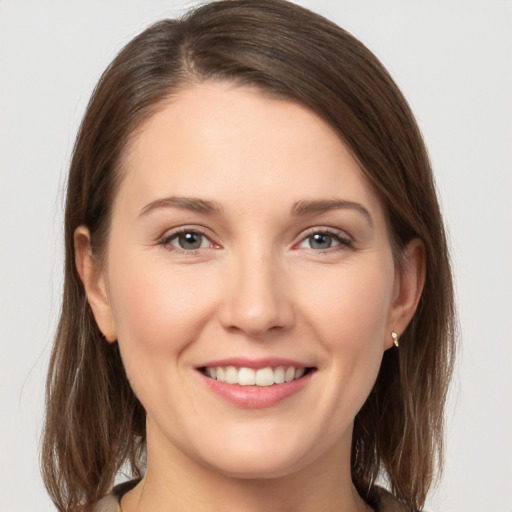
(256,397)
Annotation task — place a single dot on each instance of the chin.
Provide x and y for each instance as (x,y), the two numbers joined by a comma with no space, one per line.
(261,469)
(256,460)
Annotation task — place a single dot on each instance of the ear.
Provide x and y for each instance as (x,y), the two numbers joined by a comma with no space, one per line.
(95,284)
(409,284)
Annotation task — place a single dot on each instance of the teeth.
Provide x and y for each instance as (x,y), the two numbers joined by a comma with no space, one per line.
(265,377)
(246,377)
(299,372)
(231,375)
(249,377)
(279,375)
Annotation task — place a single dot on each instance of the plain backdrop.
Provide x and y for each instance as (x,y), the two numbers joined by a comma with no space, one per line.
(452,60)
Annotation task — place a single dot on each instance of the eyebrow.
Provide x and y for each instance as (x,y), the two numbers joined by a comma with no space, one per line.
(302,208)
(184,203)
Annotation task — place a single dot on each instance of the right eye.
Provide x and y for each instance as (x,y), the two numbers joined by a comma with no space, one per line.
(186,240)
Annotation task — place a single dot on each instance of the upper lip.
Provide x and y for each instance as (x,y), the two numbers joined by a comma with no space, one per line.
(242,362)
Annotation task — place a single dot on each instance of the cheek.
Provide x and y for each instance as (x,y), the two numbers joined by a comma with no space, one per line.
(349,310)
(157,313)
(149,297)
(356,326)
(353,300)
(367,311)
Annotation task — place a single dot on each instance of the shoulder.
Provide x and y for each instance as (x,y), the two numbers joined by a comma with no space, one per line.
(110,503)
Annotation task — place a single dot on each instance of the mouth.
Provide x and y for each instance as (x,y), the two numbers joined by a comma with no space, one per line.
(256,383)
(260,377)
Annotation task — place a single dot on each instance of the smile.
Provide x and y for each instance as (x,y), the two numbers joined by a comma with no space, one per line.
(264,377)
(255,383)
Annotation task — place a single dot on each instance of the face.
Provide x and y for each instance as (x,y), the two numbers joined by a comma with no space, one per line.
(249,281)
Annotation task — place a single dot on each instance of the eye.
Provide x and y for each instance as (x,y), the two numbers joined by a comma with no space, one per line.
(321,241)
(324,240)
(186,240)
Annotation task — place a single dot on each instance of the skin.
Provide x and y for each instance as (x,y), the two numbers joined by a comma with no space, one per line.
(257,287)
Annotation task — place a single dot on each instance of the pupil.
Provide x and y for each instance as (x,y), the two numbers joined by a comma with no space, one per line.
(320,241)
(189,240)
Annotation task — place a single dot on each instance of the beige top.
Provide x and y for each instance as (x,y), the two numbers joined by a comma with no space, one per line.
(110,503)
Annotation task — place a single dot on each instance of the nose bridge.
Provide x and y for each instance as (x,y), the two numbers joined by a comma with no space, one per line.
(256,299)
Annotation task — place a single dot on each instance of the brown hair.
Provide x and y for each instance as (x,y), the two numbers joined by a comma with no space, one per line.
(94,423)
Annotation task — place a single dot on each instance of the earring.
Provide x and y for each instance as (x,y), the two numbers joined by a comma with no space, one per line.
(396,338)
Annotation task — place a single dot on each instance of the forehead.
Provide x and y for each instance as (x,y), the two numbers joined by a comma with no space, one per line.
(232,144)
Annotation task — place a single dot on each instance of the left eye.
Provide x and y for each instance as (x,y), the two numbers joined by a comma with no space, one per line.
(321,241)
(188,241)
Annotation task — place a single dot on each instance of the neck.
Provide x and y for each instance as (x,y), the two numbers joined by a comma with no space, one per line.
(175,482)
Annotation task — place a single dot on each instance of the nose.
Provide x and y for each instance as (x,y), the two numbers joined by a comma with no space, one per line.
(256,298)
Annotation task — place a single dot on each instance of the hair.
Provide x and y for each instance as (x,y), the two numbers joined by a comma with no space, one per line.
(94,423)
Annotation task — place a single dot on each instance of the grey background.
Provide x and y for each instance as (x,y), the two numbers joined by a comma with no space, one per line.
(453,61)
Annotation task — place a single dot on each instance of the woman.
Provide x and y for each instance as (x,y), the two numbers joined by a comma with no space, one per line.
(257,308)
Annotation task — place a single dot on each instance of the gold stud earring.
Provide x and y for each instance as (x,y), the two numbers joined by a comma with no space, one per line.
(396,338)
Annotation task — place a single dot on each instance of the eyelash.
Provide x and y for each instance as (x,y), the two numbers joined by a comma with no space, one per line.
(166,241)
(343,241)
(342,238)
